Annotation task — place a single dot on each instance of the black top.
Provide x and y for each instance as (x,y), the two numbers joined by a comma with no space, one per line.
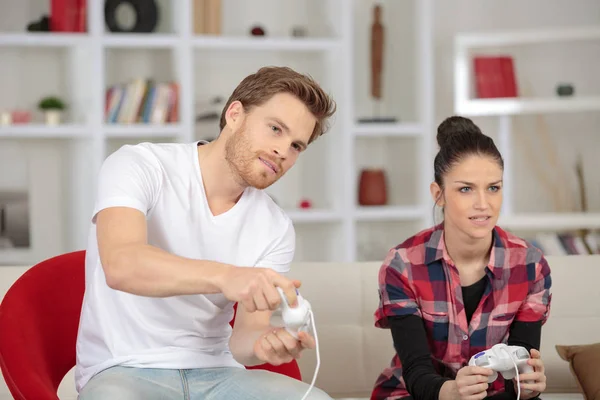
(472,295)
(410,342)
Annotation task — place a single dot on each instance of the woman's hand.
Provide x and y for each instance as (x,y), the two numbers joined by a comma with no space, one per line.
(536,380)
(471,383)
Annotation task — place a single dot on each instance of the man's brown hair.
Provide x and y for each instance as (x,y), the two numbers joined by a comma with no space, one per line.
(259,87)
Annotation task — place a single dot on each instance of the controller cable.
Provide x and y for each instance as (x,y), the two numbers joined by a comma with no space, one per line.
(518,382)
(312,384)
(517,371)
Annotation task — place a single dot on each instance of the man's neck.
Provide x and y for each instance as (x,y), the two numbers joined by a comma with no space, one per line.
(465,251)
(220,184)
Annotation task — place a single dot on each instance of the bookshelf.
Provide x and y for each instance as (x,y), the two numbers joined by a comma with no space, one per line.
(504,110)
(335,52)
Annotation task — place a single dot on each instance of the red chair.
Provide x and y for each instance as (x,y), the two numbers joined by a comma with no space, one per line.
(39,318)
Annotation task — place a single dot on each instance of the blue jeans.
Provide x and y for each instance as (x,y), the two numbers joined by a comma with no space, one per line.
(126,383)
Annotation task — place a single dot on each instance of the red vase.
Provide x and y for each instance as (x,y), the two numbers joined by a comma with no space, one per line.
(372,188)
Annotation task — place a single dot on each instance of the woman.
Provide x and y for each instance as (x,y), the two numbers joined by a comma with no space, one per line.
(462,286)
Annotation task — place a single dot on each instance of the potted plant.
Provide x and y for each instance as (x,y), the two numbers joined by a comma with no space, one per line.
(52,107)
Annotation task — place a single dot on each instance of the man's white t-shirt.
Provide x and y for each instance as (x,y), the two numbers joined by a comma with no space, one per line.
(164,182)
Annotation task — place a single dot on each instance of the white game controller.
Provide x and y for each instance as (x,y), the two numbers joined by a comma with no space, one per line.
(510,361)
(295,319)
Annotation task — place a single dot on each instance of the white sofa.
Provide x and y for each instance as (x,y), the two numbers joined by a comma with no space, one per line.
(353,352)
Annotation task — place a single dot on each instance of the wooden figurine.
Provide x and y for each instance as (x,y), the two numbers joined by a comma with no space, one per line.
(377,60)
(377,40)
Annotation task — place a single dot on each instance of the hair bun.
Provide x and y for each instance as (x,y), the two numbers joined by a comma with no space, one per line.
(456,129)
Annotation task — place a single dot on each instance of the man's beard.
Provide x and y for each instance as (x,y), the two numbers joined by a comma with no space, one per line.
(241,160)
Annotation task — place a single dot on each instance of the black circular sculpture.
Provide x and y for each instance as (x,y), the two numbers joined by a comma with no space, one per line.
(146,16)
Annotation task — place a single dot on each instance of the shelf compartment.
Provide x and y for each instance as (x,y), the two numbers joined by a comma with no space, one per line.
(396,156)
(142,85)
(530,50)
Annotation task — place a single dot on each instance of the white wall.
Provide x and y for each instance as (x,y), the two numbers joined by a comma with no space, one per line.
(539,69)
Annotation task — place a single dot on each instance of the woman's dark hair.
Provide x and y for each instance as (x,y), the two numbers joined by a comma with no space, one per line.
(458,138)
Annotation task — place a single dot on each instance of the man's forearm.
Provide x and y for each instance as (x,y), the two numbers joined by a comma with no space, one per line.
(241,344)
(146,270)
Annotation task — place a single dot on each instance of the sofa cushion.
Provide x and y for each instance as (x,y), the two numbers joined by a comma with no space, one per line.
(584,361)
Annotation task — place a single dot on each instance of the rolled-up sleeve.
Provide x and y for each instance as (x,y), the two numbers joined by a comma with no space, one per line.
(396,295)
(536,306)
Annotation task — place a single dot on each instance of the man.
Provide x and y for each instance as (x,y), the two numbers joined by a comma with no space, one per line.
(180,233)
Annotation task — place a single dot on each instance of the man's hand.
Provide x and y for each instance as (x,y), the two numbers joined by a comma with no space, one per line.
(255,288)
(536,380)
(278,347)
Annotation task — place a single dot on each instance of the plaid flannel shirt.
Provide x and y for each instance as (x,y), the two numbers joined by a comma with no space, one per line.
(419,278)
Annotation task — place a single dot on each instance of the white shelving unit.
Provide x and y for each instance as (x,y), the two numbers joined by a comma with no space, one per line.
(505,109)
(205,66)
(378,228)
